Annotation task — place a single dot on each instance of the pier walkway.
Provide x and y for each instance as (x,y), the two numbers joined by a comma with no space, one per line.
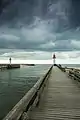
(60,99)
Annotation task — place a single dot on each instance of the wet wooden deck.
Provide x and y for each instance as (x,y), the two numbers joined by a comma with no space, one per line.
(60,99)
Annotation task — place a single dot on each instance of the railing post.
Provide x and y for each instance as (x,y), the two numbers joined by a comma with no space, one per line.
(24,116)
(38,98)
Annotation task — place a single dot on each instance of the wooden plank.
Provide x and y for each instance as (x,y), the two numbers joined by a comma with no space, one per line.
(60,99)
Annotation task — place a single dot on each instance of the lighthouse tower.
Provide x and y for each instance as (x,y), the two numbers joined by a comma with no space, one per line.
(54,59)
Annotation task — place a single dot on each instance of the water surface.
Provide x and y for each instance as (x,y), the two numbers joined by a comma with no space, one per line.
(15,83)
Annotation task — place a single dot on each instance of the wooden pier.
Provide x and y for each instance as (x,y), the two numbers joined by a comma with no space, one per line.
(54,97)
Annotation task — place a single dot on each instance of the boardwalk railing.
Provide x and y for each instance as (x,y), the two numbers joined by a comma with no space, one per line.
(74,74)
(60,67)
(19,112)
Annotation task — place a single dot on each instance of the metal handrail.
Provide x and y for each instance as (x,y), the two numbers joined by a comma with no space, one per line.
(60,67)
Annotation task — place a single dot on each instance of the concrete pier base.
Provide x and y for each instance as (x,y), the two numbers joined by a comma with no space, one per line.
(12,66)
(9,66)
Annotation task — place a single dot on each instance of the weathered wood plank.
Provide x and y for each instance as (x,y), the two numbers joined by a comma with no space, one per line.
(60,99)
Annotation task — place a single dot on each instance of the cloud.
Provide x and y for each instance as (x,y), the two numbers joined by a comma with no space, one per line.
(49,34)
(39,37)
(48,45)
(75,44)
(24,54)
(9,37)
(69,57)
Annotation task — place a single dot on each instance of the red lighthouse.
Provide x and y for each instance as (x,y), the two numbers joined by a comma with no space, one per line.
(54,57)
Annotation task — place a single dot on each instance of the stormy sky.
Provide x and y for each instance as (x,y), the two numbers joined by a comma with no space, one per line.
(40,25)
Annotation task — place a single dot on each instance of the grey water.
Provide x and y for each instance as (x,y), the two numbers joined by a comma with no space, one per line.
(14,84)
(71,65)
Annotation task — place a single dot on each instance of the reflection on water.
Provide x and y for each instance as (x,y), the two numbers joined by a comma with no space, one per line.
(15,83)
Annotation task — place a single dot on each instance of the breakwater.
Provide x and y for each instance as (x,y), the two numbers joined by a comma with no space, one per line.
(9,66)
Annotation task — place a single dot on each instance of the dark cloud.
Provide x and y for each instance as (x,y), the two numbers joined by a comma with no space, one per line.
(48,25)
(75,15)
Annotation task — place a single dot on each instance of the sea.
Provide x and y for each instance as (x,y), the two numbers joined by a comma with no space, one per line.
(71,65)
(15,83)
